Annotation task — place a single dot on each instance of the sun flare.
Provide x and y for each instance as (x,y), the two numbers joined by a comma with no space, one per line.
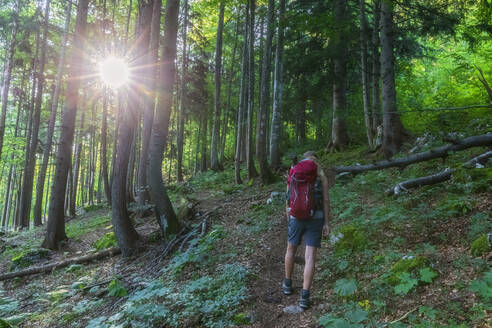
(113,72)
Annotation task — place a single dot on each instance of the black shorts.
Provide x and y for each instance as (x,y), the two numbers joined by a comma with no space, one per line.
(311,229)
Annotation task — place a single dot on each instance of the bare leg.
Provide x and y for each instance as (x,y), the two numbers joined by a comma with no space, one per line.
(310,259)
(289,260)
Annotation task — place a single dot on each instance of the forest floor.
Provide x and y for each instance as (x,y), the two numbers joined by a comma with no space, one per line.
(395,262)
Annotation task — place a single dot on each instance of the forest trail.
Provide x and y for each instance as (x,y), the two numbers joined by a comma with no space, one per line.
(267,301)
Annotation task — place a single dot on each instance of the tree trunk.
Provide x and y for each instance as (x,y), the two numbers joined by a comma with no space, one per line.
(142,188)
(104,143)
(125,232)
(184,78)
(439,177)
(158,193)
(27,186)
(393,132)
(8,73)
(484,140)
(76,166)
(277,91)
(364,73)
(214,148)
(56,224)
(261,135)
(251,93)
(51,125)
(229,92)
(339,136)
(301,121)
(203,157)
(242,103)
(376,69)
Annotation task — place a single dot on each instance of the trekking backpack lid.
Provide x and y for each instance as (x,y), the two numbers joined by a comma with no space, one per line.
(306,170)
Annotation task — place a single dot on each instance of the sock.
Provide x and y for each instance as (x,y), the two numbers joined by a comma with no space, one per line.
(287,282)
(305,293)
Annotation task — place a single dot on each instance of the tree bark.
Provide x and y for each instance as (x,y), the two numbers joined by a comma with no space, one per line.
(393,132)
(376,68)
(51,125)
(8,73)
(104,144)
(51,266)
(27,186)
(158,192)
(56,224)
(261,135)
(142,189)
(422,181)
(183,102)
(214,148)
(439,152)
(76,166)
(277,91)
(480,159)
(364,73)
(242,103)
(251,93)
(339,136)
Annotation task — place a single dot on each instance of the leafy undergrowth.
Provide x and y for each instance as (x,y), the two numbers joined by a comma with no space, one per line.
(419,260)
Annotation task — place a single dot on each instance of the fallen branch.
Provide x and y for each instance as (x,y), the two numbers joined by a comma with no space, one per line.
(51,266)
(439,152)
(422,181)
(480,159)
(404,316)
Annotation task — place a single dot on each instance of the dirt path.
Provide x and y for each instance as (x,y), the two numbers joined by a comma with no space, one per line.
(267,301)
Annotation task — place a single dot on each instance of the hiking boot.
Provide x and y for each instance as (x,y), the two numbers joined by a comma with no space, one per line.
(304,301)
(287,286)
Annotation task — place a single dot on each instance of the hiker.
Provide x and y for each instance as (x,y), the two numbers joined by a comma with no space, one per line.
(308,213)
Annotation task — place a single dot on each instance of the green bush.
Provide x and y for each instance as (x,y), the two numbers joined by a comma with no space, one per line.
(28,257)
(408,265)
(107,241)
(349,239)
(480,246)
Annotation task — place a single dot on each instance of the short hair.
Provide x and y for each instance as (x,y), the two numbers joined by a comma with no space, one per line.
(309,153)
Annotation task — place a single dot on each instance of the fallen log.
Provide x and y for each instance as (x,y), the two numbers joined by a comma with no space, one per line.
(51,266)
(422,181)
(439,152)
(480,159)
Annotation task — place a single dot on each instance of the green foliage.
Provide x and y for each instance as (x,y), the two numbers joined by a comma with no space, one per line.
(410,272)
(259,218)
(454,205)
(77,229)
(198,253)
(28,257)
(349,239)
(209,301)
(8,306)
(107,241)
(116,289)
(481,245)
(354,317)
(483,287)
(480,224)
(345,287)
(93,207)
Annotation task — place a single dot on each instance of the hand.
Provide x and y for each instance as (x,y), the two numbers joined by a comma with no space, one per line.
(326,229)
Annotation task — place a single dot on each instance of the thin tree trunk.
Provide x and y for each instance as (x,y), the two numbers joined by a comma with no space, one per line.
(160,129)
(242,104)
(393,132)
(51,124)
(339,136)
(251,93)
(184,77)
(203,164)
(56,224)
(261,136)
(229,92)
(27,187)
(376,69)
(76,166)
(104,143)
(8,73)
(277,90)
(364,73)
(214,148)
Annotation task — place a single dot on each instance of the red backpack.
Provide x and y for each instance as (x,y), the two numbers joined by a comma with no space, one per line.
(301,189)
